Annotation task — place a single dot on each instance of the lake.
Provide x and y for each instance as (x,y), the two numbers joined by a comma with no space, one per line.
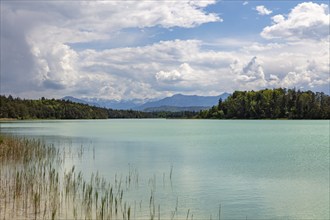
(254,169)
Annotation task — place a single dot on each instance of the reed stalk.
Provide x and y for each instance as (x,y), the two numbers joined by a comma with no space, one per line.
(33,185)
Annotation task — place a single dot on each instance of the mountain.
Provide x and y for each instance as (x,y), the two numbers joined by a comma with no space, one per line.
(180,100)
(76,100)
(175,109)
(117,104)
(174,103)
(106,103)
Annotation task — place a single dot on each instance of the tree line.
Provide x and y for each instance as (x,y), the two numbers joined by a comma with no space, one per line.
(18,108)
(263,104)
(48,109)
(113,113)
(271,104)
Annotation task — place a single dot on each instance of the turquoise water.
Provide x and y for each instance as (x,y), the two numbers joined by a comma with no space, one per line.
(266,169)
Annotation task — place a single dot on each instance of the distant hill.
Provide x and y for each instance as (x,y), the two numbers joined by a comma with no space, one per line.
(180,100)
(174,103)
(175,109)
(105,103)
(81,101)
(117,104)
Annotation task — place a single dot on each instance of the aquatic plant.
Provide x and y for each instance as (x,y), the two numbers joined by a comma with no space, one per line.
(33,185)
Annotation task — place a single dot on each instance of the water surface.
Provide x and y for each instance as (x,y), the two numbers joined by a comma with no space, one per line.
(259,169)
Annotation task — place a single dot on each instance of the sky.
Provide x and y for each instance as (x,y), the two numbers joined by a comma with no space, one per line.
(153,49)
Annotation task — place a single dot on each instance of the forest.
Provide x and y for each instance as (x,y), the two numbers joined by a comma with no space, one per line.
(17,108)
(271,104)
(263,104)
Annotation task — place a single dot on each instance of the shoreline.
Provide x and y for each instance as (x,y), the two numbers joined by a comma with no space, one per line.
(213,119)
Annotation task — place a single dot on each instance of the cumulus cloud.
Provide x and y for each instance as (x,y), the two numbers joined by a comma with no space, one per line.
(38,58)
(36,36)
(55,65)
(162,65)
(250,75)
(262,10)
(174,75)
(307,20)
(185,66)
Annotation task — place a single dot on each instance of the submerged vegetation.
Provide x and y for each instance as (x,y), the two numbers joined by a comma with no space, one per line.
(34,184)
(271,104)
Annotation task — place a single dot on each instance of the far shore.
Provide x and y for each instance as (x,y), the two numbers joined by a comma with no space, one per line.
(8,119)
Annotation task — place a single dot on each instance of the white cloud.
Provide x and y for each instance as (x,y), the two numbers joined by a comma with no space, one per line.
(36,36)
(262,10)
(179,66)
(307,20)
(107,16)
(39,59)
(176,75)
(300,80)
(250,75)
(245,3)
(55,65)
(169,77)
(278,19)
(184,66)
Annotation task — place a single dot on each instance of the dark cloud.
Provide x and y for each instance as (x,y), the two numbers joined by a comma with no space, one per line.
(49,84)
(17,63)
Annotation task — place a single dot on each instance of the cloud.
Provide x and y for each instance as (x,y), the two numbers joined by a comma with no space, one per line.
(262,10)
(55,65)
(91,18)
(307,20)
(186,66)
(250,75)
(161,65)
(36,36)
(245,3)
(39,57)
(175,75)
(167,66)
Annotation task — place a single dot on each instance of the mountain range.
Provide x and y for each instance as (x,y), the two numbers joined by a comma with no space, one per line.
(174,103)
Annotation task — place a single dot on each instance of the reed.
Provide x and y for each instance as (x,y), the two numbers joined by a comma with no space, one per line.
(219,211)
(188,214)
(34,185)
(171,171)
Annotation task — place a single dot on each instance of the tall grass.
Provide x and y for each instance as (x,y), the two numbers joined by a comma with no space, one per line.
(34,185)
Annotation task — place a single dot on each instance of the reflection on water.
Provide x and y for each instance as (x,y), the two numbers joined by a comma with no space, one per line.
(259,169)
